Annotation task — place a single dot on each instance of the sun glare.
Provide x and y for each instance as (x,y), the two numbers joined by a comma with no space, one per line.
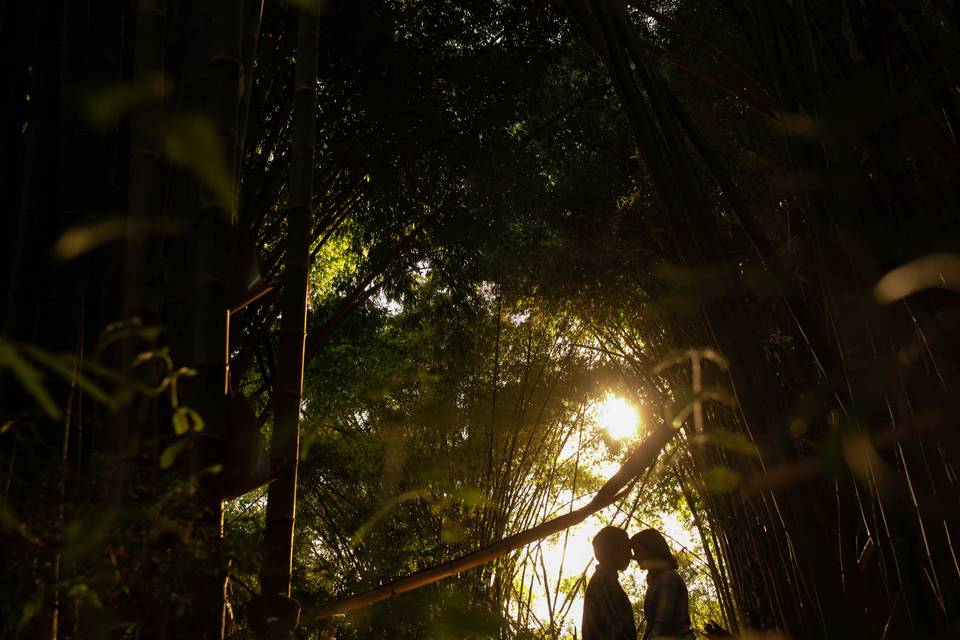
(617,417)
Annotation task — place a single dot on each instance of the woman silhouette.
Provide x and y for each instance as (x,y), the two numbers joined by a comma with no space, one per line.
(665,606)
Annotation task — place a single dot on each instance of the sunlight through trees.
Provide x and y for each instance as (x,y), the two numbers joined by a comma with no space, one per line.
(358,318)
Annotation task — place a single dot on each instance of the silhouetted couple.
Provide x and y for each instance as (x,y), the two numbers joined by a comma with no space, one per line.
(607,613)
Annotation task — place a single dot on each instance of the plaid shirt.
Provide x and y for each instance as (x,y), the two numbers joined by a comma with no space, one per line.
(666,606)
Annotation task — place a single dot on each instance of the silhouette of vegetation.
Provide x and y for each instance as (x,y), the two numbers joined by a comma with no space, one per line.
(309,310)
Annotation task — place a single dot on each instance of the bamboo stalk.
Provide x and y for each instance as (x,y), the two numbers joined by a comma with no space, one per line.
(284,445)
(209,330)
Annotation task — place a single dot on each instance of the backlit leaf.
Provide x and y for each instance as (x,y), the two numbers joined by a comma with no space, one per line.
(70,370)
(87,535)
(186,420)
(721,479)
(934,271)
(469,495)
(191,140)
(85,594)
(452,531)
(729,440)
(318,7)
(29,377)
(169,455)
(80,239)
(104,106)
(8,521)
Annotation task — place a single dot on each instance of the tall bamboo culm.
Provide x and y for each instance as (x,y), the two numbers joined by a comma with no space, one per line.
(207,616)
(275,602)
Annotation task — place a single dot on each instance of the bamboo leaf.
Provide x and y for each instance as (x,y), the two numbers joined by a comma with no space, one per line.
(729,440)
(29,377)
(187,139)
(307,439)
(687,403)
(470,496)
(69,369)
(186,420)
(387,507)
(191,141)
(682,355)
(721,479)
(132,328)
(318,7)
(86,536)
(452,531)
(83,593)
(8,521)
(80,239)
(934,271)
(169,455)
(30,609)
(104,106)
(212,470)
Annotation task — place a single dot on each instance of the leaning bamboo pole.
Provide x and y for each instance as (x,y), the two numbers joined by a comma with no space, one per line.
(285,441)
(642,458)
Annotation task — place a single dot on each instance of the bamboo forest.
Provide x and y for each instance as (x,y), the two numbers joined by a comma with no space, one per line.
(480,319)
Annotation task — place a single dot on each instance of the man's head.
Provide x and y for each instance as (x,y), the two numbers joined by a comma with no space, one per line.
(611,546)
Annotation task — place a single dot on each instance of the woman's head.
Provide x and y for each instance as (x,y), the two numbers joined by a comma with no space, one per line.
(611,546)
(651,552)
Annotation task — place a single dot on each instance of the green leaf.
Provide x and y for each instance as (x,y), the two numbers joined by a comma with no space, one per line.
(432,473)
(934,271)
(80,239)
(104,106)
(384,510)
(192,141)
(307,440)
(186,420)
(127,329)
(682,355)
(70,369)
(85,594)
(318,7)
(187,139)
(687,403)
(469,495)
(729,440)
(721,479)
(8,521)
(30,609)
(452,531)
(29,377)
(87,535)
(212,470)
(169,455)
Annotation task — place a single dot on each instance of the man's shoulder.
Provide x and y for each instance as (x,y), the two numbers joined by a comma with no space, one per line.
(603,579)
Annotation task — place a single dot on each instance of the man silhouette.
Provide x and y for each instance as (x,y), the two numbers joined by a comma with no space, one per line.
(607,614)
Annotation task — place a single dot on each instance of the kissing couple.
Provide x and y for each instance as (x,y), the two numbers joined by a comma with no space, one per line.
(607,613)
